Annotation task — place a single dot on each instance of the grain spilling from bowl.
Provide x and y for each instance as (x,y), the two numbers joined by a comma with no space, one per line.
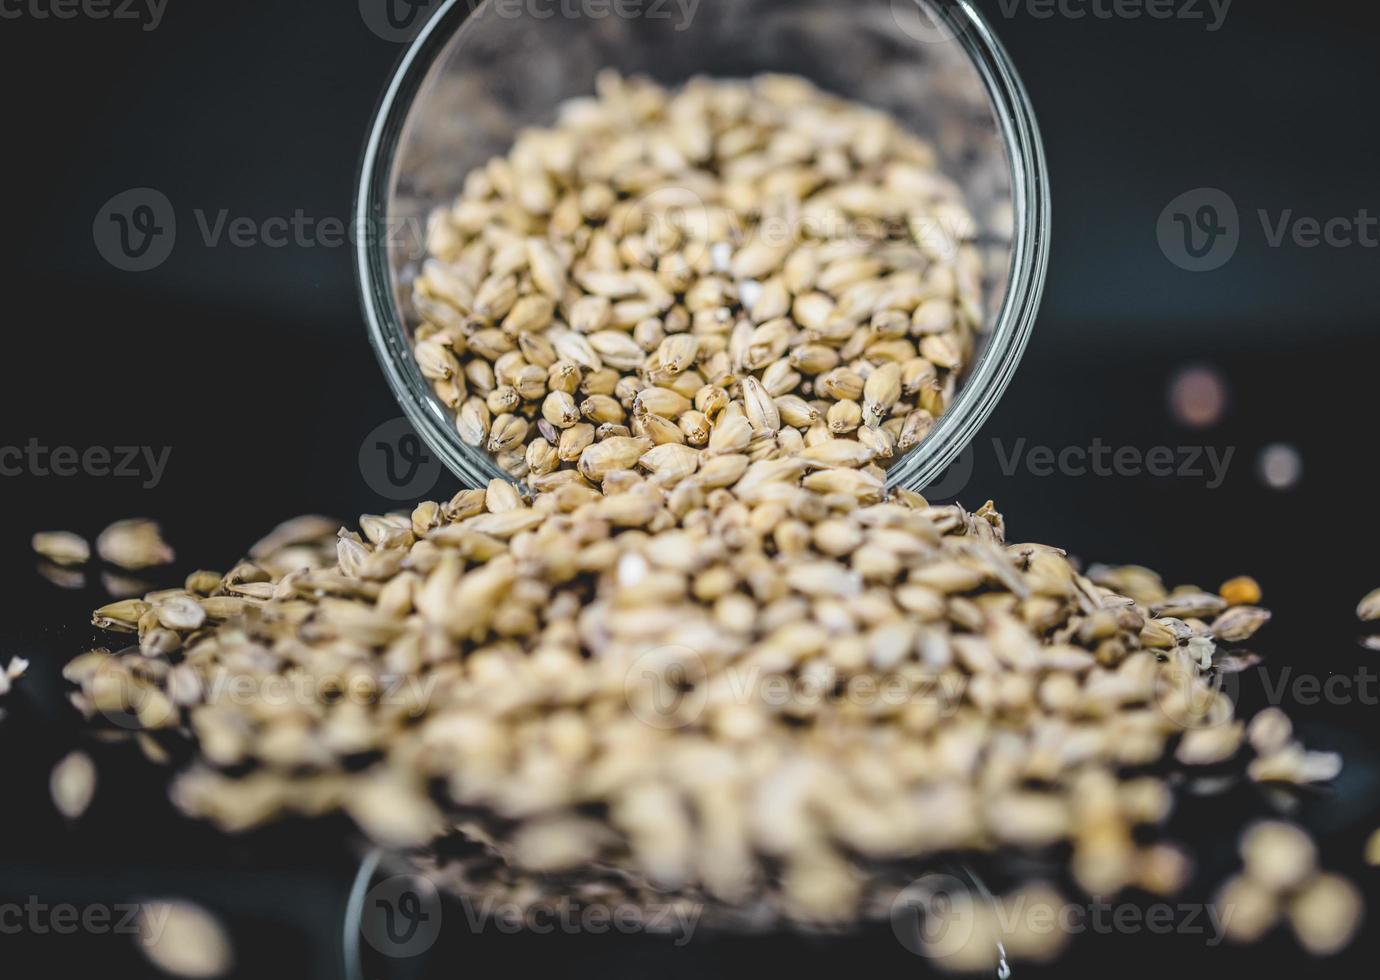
(694,650)
(755,688)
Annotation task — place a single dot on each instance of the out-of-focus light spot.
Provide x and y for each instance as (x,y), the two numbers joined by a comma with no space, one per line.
(1280,466)
(1198,397)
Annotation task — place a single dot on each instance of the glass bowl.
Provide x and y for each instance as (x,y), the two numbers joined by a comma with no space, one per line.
(478,73)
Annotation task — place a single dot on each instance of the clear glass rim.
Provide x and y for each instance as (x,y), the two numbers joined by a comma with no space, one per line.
(977,396)
(1029,264)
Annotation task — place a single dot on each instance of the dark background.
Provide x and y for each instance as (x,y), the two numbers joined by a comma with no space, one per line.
(252,365)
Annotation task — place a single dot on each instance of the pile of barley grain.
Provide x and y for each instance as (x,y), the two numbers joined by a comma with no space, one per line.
(753,267)
(752,694)
(712,658)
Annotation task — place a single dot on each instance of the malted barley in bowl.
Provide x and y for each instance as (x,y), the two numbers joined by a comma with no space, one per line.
(664,265)
(804,216)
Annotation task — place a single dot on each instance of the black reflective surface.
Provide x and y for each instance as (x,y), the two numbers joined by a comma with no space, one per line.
(245,368)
